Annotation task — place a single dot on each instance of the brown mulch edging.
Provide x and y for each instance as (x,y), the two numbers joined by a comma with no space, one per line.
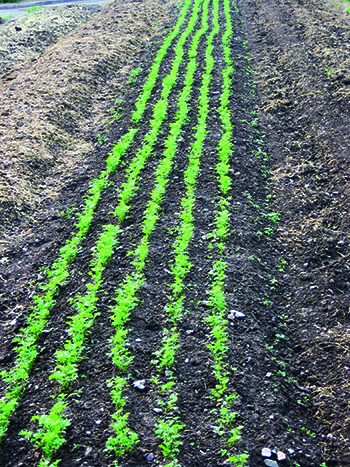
(53,104)
(24,37)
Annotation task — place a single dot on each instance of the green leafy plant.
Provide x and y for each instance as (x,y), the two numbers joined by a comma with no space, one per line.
(34,9)
(59,273)
(126,294)
(50,435)
(169,432)
(68,212)
(217,300)
(133,75)
(308,432)
(124,439)
(282,264)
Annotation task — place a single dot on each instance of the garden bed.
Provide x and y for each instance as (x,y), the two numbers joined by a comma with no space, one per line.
(206,152)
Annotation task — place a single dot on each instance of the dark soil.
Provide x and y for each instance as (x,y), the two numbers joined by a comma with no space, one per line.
(289,354)
(301,54)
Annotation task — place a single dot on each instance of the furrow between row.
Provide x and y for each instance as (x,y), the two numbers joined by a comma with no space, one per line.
(168,428)
(26,350)
(52,425)
(126,295)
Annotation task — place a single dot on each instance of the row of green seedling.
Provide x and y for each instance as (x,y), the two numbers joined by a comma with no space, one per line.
(218,307)
(51,426)
(26,349)
(68,358)
(168,428)
(126,295)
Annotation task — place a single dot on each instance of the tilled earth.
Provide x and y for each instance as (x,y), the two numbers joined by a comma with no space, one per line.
(289,352)
(302,55)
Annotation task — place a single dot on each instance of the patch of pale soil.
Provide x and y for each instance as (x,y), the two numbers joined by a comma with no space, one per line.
(53,104)
(24,37)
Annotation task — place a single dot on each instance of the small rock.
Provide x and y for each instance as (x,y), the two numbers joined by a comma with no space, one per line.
(88,451)
(150,457)
(286,102)
(270,463)
(266,452)
(236,314)
(139,384)
(304,276)
(157,410)
(98,422)
(291,451)
(281,456)
(268,375)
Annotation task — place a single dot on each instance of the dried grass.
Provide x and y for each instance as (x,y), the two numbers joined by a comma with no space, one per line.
(52,103)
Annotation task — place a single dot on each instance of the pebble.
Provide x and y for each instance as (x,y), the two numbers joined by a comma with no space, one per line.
(266,452)
(270,463)
(281,456)
(139,384)
(88,451)
(236,314)
(150,457)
